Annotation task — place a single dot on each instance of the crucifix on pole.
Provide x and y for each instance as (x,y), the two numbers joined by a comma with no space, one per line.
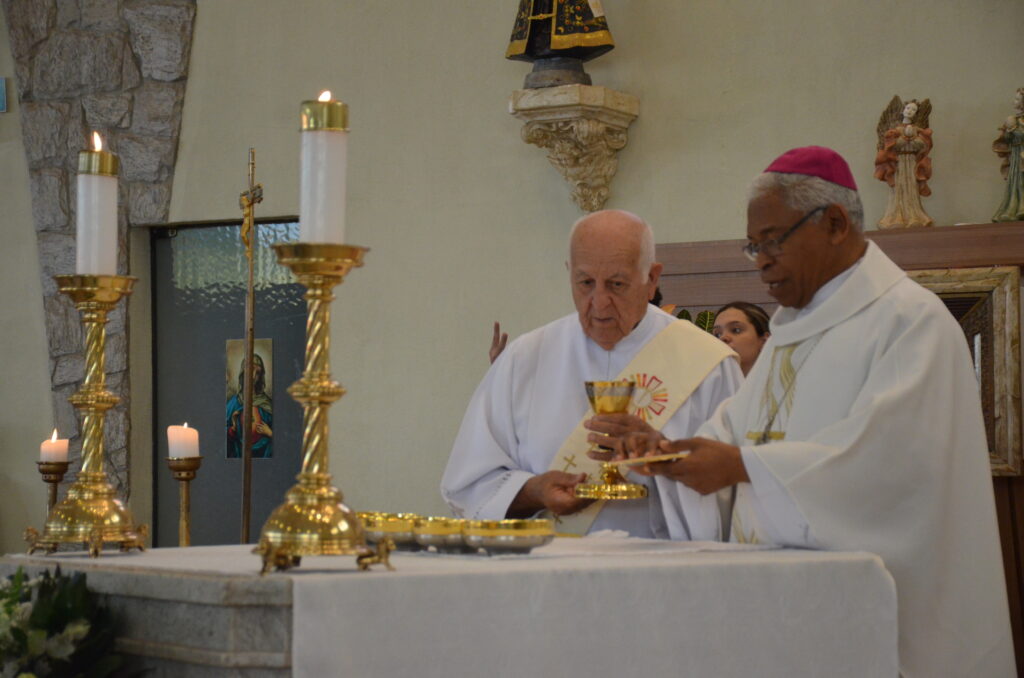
(247,201)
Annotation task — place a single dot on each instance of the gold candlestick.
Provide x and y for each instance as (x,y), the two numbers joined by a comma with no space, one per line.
(52,472)
(312,520)
(91,513)
(184,470)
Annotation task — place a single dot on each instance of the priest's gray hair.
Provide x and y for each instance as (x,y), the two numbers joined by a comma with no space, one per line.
(647,252)
(804,192)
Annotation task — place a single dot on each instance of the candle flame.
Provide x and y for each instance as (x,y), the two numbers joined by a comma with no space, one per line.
(53,438)
(325,95)
(185,425)
(97,142)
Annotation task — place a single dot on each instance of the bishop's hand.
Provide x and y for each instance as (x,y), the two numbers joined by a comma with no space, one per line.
(710,466)
(554,491)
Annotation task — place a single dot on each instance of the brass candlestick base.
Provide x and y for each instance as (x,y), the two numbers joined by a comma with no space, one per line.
(313,520)
(53,473)
(610,397)
(184,471)
(91,513)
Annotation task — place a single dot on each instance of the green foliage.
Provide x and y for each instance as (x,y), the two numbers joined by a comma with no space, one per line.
(705,320)
(54,626)
(684,315)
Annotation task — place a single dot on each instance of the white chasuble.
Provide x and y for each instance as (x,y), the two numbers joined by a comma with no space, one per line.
(879,445)
(533,398)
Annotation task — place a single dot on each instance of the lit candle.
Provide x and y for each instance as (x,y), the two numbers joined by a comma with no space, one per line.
(182,441)
(322,170)
(54,449)
(97,211)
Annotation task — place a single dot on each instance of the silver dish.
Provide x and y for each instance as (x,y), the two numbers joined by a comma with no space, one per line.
(508,543)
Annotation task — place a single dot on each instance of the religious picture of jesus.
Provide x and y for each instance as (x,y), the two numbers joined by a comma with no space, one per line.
(262,403)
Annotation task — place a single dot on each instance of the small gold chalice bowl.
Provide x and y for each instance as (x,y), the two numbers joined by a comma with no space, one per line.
(610,397)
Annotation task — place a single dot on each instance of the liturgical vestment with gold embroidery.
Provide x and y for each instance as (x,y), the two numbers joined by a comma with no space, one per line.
(531,400)
(876,443)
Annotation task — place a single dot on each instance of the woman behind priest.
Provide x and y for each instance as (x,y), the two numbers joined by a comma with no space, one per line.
(744,328)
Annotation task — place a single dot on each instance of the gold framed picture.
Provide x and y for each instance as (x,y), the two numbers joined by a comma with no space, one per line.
(986,303)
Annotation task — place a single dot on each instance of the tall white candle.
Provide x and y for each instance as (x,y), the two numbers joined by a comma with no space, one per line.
(322,170)
(97,211)
(54,449)
(182,441)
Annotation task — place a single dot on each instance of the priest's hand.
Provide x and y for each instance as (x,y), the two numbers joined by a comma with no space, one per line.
(554,491)
(498,342)
(630,446)
(710,466)
(610,428)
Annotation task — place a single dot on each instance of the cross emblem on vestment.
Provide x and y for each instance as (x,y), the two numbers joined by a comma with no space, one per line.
(570,461)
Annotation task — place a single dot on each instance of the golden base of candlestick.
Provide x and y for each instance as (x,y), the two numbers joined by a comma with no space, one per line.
(313,520)
(91,513)
(184,471)
(53,473)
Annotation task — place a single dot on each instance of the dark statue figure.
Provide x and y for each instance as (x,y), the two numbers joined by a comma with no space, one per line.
(557,36)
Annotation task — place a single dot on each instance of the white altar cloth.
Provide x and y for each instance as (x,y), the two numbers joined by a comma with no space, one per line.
(601,606)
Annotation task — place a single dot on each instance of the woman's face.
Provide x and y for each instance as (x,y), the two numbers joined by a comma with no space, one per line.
(733,327)
(910,110)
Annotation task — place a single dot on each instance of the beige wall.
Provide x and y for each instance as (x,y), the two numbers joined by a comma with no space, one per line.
(467,223)
(26,414)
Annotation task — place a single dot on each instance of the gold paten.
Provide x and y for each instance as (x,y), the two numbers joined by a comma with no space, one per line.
(323,115)
(653,459)
(91,513)
(610,397)
(184,471)
(98,162)
(313,520)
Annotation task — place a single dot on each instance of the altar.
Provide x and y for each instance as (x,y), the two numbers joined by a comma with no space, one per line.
(597,606)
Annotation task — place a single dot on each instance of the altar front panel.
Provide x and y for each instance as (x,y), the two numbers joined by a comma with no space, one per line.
(595,606)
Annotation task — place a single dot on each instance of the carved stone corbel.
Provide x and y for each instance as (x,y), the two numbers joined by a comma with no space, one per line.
(582,127)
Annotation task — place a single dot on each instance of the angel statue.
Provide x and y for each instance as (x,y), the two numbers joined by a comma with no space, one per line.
(1010,147)
(904,142)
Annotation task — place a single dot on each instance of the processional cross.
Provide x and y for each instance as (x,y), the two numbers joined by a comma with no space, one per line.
(247,202)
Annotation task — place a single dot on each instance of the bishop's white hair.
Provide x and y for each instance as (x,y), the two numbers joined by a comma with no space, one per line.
(804,192)
(647,254)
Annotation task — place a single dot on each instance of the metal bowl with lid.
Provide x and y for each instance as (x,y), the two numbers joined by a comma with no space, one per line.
(508,536)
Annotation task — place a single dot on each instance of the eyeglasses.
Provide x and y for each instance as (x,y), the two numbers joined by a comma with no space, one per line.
(773,247)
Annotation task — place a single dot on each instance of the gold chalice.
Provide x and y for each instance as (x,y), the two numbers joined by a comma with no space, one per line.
(610,397)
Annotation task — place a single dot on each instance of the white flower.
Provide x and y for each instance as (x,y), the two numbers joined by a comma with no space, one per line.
(21,614)
(63,644)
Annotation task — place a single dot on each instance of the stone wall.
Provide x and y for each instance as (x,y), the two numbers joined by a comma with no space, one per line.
(117,67)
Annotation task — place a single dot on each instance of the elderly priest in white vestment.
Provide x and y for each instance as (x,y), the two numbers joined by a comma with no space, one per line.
(859,427)
(521,449)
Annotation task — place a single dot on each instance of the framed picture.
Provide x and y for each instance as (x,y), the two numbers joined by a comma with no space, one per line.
(986,303)
(262,402)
